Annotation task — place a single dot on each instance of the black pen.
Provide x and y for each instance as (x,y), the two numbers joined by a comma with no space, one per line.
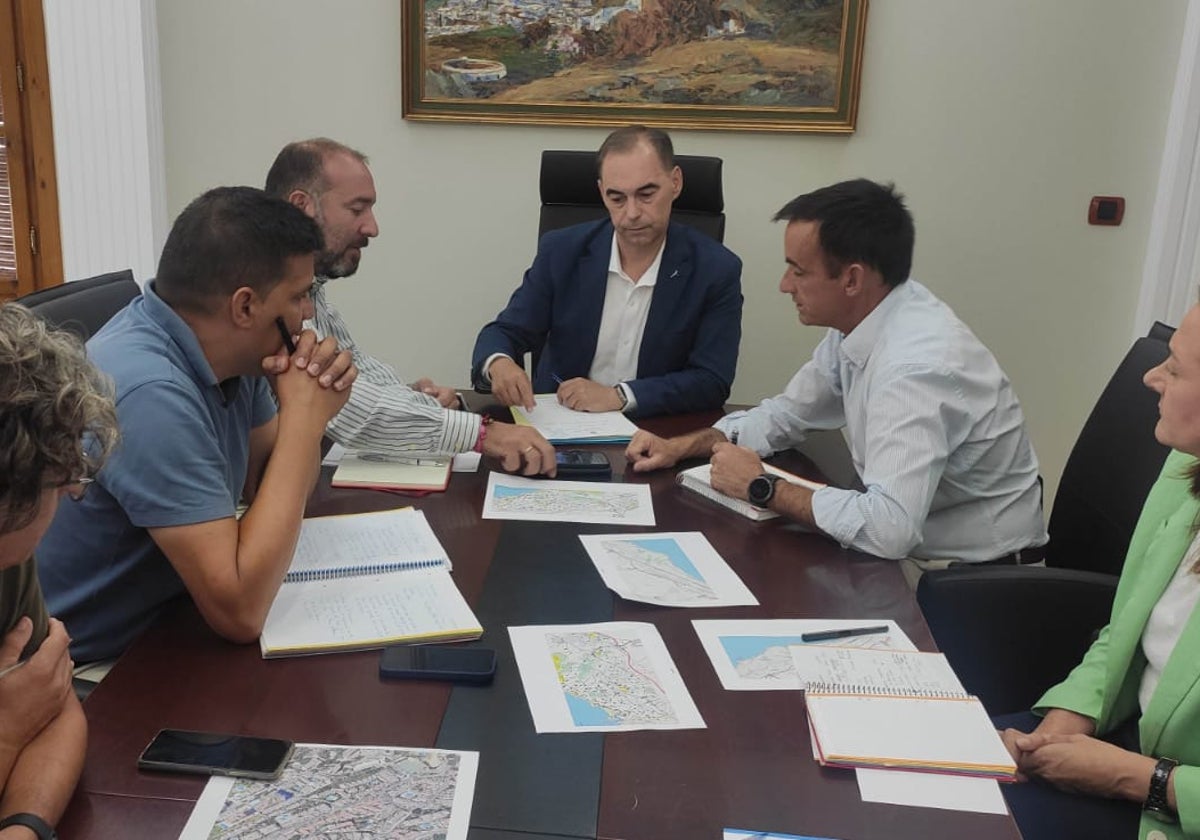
(287,336)
(825,635)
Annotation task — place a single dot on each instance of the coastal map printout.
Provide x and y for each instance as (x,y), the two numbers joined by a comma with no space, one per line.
(610,677)
(547,500)
(672,570)
(331,791)
(753,655)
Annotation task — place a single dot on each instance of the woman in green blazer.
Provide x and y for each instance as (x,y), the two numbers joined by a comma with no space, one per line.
(1141,678)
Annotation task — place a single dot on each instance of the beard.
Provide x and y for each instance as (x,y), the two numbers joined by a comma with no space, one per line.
(334,264)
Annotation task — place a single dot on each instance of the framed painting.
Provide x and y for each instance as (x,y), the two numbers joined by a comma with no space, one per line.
(763,65)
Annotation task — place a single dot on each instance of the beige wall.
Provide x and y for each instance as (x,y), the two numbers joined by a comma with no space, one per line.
(999,121)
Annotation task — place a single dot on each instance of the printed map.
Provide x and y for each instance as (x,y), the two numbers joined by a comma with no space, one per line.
(346,792)
(609,680)
(565,502)
(768,657)
(660,571)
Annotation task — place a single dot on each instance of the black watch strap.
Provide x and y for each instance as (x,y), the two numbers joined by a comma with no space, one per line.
(33,822)
(1157,804)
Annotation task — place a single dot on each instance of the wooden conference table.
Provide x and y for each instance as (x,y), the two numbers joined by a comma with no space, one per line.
(750,768)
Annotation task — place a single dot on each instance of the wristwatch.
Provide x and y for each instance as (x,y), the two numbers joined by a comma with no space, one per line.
(33,822)
(762,489)
(621,395)
(1156,800)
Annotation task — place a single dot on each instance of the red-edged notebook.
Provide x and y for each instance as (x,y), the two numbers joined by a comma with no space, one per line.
(429,473)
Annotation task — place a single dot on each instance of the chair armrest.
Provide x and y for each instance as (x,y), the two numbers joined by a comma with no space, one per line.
(1011,632)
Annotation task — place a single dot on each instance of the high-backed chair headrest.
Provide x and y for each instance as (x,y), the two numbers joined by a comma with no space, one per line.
(569,194)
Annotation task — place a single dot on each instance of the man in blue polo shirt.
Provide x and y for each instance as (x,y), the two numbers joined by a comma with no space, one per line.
(200,431)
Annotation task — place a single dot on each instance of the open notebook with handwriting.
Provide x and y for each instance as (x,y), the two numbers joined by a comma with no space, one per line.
(365,581)
(896,709)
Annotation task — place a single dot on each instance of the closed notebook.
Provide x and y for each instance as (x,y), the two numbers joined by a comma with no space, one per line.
(699,480)
(378,472)
(903,710)
(366,581)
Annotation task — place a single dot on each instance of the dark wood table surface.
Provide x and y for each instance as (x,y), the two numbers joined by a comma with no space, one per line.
(751,767)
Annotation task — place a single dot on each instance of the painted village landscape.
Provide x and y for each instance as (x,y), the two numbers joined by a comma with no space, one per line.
(751,53)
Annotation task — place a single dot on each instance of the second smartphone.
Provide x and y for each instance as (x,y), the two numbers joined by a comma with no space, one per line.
(215,754)
(476,666)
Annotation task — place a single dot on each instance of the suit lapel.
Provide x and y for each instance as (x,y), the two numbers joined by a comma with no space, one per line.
(674,273)
(1179,679)
(1126,635)
(593,285)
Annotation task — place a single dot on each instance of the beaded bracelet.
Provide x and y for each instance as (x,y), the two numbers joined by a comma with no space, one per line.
(484,421)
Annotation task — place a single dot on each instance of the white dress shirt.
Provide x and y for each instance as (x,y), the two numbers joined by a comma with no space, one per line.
(384,414)
(933,427)
(623,323)
(1167,620)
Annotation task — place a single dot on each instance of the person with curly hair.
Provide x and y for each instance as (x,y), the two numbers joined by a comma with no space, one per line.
(57,424)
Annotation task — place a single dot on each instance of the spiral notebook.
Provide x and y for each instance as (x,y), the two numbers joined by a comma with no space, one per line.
(365,581)
(896,709)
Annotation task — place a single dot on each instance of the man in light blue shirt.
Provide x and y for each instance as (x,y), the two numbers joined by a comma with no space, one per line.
(933,425)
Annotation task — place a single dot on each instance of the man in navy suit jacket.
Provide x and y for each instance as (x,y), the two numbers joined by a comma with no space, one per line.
(634,313)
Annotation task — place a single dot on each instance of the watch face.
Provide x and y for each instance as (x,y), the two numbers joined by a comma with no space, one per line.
(760,491)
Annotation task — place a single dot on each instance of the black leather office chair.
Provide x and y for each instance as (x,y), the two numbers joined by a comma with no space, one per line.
(569,193)
(84,306)
(1012,632)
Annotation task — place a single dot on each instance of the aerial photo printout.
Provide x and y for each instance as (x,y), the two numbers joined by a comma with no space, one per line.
(332,791)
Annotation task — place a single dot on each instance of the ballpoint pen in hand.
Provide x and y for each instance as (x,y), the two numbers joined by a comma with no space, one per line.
(286,335)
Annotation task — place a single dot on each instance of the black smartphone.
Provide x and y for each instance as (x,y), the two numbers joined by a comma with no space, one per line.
(216,754)
(437,662)
(582,463)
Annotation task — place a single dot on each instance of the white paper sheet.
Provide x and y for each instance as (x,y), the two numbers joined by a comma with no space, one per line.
(559,424)
(610,677)
(466,462)
(753,655)
(334,456)
(543,500)
(931,790)
(672,569)
(743,834)
(380,789)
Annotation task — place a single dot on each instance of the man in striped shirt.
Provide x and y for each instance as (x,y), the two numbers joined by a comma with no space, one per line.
(332,184)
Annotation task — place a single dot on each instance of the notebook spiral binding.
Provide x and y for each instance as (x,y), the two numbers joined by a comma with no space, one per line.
(882,691)
(357,571)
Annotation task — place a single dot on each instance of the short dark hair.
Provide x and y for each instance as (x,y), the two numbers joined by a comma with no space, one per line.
(228,238)
(627,138)
(301,166)
(57,420)
(858,221)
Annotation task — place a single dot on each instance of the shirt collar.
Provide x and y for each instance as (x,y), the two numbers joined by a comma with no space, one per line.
(860,341)
(650,278)
(179,332)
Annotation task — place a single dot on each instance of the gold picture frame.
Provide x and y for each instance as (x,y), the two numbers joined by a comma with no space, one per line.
(744,65)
